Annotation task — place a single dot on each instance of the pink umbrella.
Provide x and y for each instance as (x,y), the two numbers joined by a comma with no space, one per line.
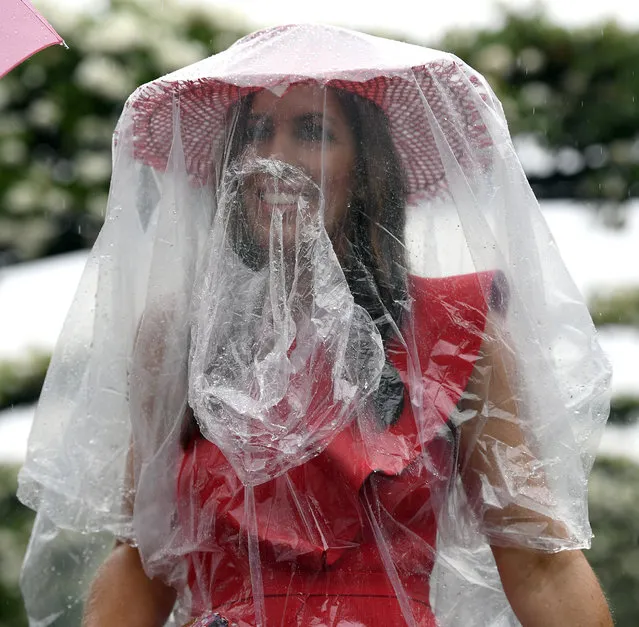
(23,32)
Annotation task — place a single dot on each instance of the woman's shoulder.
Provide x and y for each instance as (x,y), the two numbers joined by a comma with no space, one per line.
(483,291)
(446,323)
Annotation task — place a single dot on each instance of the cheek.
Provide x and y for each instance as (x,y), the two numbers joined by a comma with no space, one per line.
(340,187)
(338,196)
(339,183)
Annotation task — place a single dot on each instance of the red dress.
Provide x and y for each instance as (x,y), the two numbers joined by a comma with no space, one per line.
(348,538)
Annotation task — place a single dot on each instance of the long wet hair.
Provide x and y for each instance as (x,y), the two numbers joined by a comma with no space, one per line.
(374,262)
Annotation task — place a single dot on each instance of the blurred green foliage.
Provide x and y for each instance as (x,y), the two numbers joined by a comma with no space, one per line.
(58,111)
(21,379)
(614,512)
(574,92)
(571,92)
(624,410)
(618,307)
(15,527)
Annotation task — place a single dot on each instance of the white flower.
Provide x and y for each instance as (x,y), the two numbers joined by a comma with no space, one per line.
(32,237)
(117,32)
(614,186)
(22,197)
(43,113)
(11,124)
(535,158)
(531,59)
(62,17)
(495,59)
(621,151)
(536,94)
(172,54)
(94,130)
(12,151)
(96,204)
(104,76)
(569,160)
(93,167)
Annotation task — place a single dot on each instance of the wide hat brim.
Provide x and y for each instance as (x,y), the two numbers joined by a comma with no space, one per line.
(441,98)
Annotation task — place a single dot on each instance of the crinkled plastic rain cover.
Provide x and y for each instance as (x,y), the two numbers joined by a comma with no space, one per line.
(324,353)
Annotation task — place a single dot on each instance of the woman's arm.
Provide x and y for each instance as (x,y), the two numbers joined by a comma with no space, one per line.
(543,588)
(552,589)
(122,594)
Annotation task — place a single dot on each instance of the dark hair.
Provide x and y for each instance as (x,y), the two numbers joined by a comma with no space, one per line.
(374,263)
(375,266)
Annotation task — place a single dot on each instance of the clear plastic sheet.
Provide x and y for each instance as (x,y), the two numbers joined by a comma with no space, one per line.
(325,351)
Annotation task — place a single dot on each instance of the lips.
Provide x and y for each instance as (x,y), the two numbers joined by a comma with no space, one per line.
(270,186)
(279,198)
(273,196)
(276,201)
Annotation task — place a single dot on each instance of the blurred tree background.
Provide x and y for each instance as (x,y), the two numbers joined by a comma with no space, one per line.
(570,96)
(58,111)
(573,93)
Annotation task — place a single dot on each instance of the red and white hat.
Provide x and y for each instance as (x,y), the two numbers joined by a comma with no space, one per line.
(418,89)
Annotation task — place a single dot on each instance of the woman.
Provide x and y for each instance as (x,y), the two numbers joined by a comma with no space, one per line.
(363,374)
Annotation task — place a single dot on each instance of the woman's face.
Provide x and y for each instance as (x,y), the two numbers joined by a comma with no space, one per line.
(304,128)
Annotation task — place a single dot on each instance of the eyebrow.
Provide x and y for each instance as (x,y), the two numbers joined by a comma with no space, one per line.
(311,115)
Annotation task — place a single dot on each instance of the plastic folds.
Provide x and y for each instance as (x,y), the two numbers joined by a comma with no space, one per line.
(324,353)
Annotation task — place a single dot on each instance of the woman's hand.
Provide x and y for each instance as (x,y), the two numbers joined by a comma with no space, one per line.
(552,589)
(209,619)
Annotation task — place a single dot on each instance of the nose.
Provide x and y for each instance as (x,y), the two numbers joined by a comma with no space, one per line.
(281,147)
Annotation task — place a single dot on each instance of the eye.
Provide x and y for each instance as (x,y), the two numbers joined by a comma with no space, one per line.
(311,129)
(259,131)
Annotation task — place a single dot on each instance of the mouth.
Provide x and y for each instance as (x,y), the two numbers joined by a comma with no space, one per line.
(271,185)
(270,198)
(278,199)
